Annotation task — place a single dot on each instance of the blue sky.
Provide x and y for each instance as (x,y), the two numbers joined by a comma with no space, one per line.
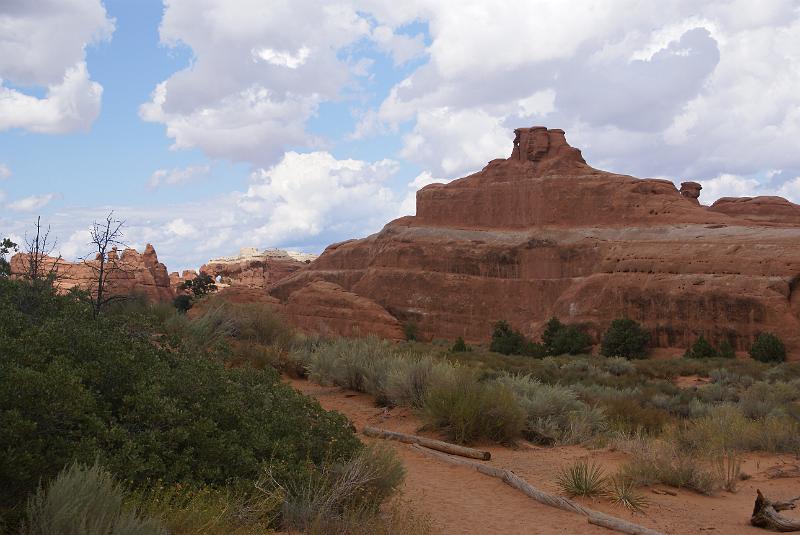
(211,125)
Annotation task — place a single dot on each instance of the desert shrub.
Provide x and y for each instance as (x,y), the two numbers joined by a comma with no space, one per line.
(200,286)
(73,388)
(660,461)
(582,479)
(407,382)
(554,414)
(467,409)
(182,303)
(209,511)
(560,339)
(623,415)
(459,346)
(507,341)
(763,399)
(768,348)
(358,486)
(259,323)
(726,351)
(701,349)
(86,500)
(728,464)
(411,330)
(619,365)
(625,338)
(725,428)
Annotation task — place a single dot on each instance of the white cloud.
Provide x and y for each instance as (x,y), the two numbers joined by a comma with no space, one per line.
(44,44)
(71,105)
(282,58)
(5,172)
(401,47)
(311,194)
(181,228)
(728,185)
(177,176)
(32,203)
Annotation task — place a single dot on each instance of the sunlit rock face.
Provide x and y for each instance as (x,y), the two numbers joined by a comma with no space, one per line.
(543,234)
(129,273)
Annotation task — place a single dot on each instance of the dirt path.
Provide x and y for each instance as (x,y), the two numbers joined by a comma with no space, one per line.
(462,501)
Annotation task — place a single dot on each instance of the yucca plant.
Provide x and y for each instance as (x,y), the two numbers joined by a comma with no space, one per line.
(583,479)
(622,491)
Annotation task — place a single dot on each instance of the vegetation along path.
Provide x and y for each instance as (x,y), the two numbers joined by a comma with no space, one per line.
(460,500)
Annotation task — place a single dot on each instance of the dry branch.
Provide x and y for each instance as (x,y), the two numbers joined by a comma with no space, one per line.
(428,443)
(765,514)
(509,478)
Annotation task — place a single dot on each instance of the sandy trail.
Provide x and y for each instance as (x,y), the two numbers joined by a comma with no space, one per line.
(462,501)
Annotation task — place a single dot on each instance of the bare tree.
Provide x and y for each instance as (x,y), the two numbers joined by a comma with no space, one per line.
(106,236)
(38,264)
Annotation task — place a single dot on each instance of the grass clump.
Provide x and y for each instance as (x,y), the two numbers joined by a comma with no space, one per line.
(583,479)
(622,491)
(467,409)
(84,500)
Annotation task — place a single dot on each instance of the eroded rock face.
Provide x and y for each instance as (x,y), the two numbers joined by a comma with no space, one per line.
(543,234)
(130,273)
(254,268)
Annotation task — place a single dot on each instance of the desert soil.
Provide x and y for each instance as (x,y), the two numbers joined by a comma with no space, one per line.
(462,501)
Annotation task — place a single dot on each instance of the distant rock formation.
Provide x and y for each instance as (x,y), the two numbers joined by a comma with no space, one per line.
(543,234)
(130,273)
(252,268)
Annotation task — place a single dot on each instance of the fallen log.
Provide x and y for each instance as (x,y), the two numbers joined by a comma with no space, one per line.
(433,444)
(511,479)
(765,514)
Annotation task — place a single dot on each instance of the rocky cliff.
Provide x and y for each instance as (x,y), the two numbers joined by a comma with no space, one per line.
(129,273)
(543,234)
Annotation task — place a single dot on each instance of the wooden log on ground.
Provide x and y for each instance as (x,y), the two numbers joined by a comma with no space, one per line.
(510,478)
(433,444)
(765,514)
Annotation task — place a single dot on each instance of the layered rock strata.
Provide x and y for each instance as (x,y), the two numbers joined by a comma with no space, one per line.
(543,234)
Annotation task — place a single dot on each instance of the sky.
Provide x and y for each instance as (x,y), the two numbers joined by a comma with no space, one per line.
(211,125)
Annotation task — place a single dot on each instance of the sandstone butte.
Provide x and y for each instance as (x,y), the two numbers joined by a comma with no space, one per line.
(543,234)
(131,273)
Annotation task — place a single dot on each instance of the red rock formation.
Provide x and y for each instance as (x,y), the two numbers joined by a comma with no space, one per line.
(542,234)
(129,274)
(255,269)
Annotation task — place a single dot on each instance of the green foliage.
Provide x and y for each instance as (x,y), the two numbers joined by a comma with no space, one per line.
(625,338)
(582,479)
(460,346)
(6,246)
(200,286)
(150,403)
(411,330)
(560,339)
(466,409)
(701,349)
(361,485)
(507,341)
(726,350)
(768,348)
(85,500)
(182,303)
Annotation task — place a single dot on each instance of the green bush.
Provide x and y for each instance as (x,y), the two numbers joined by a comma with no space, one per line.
(460,346)
(411,330)
(560,339)
(583,479)
(726,350)
(701,349)
(507,341)
(625,338)
(148,404)
(768,348)
(84,500)
(182,303)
